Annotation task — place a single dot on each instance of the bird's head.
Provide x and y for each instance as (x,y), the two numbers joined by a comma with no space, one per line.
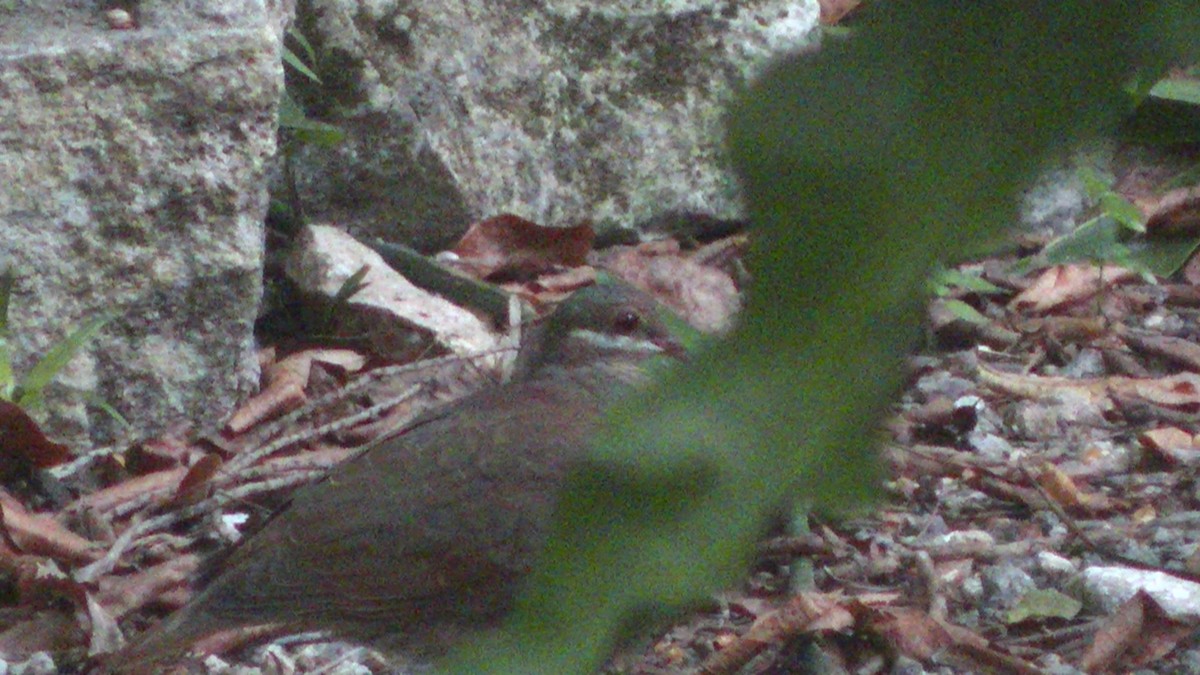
(608,321)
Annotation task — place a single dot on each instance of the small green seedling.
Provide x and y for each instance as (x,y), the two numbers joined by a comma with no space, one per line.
(29,391)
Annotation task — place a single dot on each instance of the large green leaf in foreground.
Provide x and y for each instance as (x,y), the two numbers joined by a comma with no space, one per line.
(863,165)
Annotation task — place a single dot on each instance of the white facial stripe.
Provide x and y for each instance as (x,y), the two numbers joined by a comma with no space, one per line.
(608,341)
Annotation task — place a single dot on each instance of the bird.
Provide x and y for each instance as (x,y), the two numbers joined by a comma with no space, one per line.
(426,537)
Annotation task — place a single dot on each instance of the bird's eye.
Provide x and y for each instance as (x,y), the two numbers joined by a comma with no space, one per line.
(627,322)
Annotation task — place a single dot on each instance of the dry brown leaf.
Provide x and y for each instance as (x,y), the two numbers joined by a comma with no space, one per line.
(833,11)
(1063,490)
(48,630)
(1173,213)
(804,613)
(1137,634)
(1177,350)
(135,488)
(278,398)
(922,637)
(1171,444)
(1180,393)
(123,594)
(43,535)
(508,247)
(1066,285)
(23,439)
(193,487)
(287,382)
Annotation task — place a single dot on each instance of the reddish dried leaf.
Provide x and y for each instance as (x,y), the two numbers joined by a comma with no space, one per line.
(1173,213)
(121,595)
(1171,444)
(193,486)
(833,11)
(805,613)
(1059,486)
(1137,634)
(280,397)
(287,381)
(43,535)
(165,452)
(510,247)
(1066,285)
(46,631)
(23,438)
(135,488)
(922,637)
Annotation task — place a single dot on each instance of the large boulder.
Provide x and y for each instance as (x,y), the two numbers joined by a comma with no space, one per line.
(556,111)
(133,165)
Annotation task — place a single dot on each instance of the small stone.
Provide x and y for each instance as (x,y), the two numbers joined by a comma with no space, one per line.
(119,19)
(960,543)
(1005,584)
(1052,563)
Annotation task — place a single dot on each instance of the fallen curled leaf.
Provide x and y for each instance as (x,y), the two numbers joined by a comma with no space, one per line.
(43,535)
(1138,634)
(1177,393)
(287,381)
(805,613)
(128,490)
(1068,284)
(1174,213)
(922,637)
(1171,444)
(833,11)
(1063,490)
(508,247)
(192,487)
(23,439)
(123,594)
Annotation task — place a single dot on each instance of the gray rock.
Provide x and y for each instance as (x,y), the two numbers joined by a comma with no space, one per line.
(133,165)
(1107,588)
(400,320)
(1004,584)
(556,111)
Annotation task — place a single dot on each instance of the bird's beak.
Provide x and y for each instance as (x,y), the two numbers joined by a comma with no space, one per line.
(672,347)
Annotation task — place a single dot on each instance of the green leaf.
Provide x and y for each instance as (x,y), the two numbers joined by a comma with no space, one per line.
(863,165)
(1095,185)
(1044,604)
(34,383)
(1181,90)
(966,312)
(305,130)
(1163,257)
(7,380)
(290,58)
(948,278)
(1123,211)
(1097,240)
(351,286)
(102,405)
(301,40)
